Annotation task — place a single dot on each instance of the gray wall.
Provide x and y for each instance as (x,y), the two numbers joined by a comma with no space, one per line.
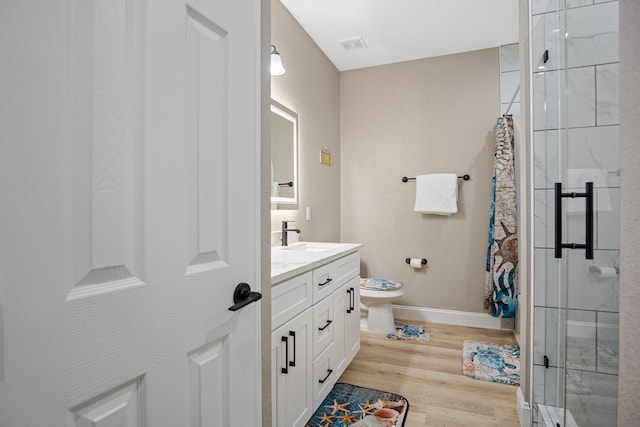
(629,363)
(426,116)
(310,87)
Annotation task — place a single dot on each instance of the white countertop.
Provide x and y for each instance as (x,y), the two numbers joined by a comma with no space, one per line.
(300,257)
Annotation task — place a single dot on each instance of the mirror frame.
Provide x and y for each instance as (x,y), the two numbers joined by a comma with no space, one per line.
(291,116)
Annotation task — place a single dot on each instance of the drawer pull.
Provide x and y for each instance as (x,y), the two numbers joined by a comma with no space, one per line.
(285,370)
(326,326)
(326,282)
(329,371)
(352,301)
(293,335)
(349,303)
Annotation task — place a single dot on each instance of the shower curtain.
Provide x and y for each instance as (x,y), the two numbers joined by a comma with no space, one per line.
(502,252)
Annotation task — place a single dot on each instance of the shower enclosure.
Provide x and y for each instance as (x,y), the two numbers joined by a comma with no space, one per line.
(574,61)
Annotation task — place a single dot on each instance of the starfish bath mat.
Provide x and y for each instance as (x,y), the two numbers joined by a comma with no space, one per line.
(417,333)
(491,362)
(353,406)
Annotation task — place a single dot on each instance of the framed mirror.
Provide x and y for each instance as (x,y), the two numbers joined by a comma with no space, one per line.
(284,157)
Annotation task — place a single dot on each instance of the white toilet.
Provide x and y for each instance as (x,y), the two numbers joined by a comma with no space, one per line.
(376,296)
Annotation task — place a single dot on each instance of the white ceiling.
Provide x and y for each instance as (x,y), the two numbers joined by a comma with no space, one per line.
(404,30)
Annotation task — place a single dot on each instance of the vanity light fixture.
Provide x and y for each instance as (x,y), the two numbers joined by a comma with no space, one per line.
(276,62)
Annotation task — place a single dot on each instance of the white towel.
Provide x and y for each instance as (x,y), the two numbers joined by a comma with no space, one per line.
(576,182)
(437,193)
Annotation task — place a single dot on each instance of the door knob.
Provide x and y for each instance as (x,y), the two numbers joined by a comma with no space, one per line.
(243,296)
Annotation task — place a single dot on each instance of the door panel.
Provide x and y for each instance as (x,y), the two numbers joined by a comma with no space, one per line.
(123,406)
(103,163)
(207,201)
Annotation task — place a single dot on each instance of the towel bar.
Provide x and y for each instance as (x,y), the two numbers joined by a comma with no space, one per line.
(464,177)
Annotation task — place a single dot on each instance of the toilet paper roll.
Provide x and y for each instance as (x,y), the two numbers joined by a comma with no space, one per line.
(604,272)
(415,262)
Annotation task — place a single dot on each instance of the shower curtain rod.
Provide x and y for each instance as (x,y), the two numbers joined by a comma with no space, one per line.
(515,93)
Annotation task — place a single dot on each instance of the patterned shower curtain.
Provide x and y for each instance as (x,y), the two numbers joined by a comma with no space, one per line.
(502,253)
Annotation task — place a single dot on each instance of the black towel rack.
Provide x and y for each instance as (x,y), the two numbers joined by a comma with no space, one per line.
(288,184)
(465,177)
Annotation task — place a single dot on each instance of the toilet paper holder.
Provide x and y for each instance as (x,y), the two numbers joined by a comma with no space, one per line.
(600,270)
(423,261)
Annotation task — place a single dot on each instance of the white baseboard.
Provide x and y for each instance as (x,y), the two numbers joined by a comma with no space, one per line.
(523,408)
(450,317)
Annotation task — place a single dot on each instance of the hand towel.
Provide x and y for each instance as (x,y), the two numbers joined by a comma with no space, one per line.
(576,182)
(437,193)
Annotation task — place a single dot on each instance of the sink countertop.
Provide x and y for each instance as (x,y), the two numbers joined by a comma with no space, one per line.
(297,258)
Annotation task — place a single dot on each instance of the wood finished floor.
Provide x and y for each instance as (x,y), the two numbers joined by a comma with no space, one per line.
(430,377)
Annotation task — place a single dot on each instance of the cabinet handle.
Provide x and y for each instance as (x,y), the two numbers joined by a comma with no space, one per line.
(349,303)
(326,282)
(352,300)
(588,245)
(285,370)
(329,371)
(326,326)
(293,335)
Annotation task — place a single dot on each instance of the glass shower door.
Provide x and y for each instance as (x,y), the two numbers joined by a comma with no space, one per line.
(576,140)
(592,156)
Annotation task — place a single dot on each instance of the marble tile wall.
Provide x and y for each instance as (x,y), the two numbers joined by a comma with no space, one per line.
(510,80)
(576,139)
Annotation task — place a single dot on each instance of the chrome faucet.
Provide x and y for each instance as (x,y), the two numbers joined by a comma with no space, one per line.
(285,230)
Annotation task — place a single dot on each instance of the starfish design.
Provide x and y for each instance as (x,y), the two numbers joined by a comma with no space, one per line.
(325,418)
(336,407)
(508,247)
(346,418)
(364,409)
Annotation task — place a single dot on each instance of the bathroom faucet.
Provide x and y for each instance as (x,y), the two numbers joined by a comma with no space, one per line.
(284,232)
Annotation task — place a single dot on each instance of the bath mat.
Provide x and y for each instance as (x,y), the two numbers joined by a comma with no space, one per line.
(491,362)
(415,333)
(350,405)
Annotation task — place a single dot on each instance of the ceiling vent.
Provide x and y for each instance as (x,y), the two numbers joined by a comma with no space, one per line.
(353,43)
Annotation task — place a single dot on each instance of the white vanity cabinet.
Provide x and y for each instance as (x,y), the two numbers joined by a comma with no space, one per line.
(315,335)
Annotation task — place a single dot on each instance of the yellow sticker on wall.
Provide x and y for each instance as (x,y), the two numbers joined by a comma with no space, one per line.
(325,157)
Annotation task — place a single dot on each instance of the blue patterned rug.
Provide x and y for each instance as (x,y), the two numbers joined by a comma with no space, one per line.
(491,362)
(415,333)
(350,405)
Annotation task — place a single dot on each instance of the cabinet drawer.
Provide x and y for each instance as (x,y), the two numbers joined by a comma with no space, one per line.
(290,298)
(324,375)
(346,268)
(323,281)
(323,325)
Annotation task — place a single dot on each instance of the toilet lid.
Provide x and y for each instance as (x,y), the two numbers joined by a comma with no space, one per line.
(379,284)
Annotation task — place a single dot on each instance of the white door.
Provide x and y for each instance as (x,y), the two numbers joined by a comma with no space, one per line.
(128,213)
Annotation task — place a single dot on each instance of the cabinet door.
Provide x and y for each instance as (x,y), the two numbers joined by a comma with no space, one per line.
(340,307)
(292,372)
(352,320)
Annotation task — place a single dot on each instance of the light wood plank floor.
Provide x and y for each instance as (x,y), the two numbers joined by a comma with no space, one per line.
(430,377)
